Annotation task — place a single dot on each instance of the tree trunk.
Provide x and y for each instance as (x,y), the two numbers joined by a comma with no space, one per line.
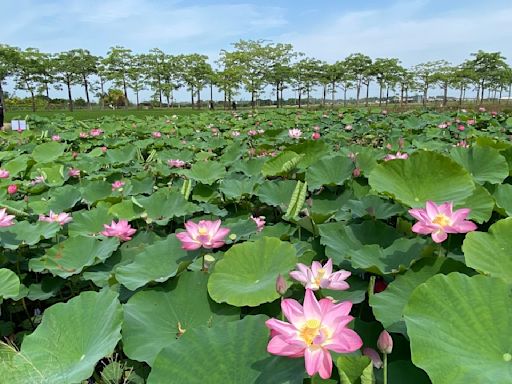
(300,97)
(445,94)
(253,100)
(70,98)
(168,98)
(358,91)
(387,95)
(367,93)
(198,98)
(380,94)
(211,93)
(102,87)
(425,94)
(345,96)
(86,87)
(137,97)
(333,92)
(225,100)
(482,88)
(460,96)
(125,93)
(324,95)
(281,98)
(159,80)
(406,95)
(307,94)
(192,96)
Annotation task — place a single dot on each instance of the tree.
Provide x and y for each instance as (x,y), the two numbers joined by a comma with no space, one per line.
(117,64)
(9,59)
(86,65)
(359,69)
(406,82)
(136,75)
(197,73)
(279,71)
(229,76)
(425,75)
(444,77)
(29,72)
(67,66)
(387,73)
(306,74)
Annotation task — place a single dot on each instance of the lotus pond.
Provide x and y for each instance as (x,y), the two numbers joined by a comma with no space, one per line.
(258,247)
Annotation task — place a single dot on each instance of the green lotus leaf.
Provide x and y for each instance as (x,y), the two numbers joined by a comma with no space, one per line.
(207,172)
(122,155)
(158,262)
(236,354)
(89,222)
(17,165)
(485,164)
(48,152)
(63,198)
(23,232)
(72,255)
(182,304)
(355,369)
(423,176)
(68,343)
(236,189)
(329,171)
(489,252)
(95,190)
(277,192)
(53,176)
(247,273)
(281,164)
(388,305)
(9,284)
(164,205)
(503,196)
(481,204)
(460,329)
(126,210)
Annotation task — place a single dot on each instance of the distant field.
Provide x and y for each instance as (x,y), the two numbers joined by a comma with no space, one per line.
(85,114)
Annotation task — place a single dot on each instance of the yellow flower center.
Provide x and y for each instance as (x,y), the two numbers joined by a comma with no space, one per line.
(442,220)
(202,231)
(319,276)
(310,330)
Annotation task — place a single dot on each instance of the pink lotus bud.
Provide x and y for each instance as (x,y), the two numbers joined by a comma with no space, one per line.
(356,172)
(315,136)
(74,155)
(103,149)
(461,127)
(494,113)
(471,122)
(481,109)
(348,127)
(281,286)
(12,189)
(385,342)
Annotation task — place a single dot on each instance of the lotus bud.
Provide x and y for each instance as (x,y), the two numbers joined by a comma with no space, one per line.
(385,342)
(12,189)
(356,172)
(374,357)
(281,286)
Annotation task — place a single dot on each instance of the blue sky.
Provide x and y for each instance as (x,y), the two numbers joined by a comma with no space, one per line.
(414,31)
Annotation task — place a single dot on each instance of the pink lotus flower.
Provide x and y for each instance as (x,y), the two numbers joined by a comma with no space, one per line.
(74,155)
(122,230)
(118,184)
(295,133)
(5,219)
(443,125)
(463,144)
(207,234)
(252,132)
(104,149)
(73,172)
(481,109)
(374,357)
(260,222)
(321,276)
(471,122)
(61,218)
(494,113)
(56,138)
(313,330)
(348,127)
(156,135)
(83,135)
(37,180)
(461,127)
(352,156)
(356,172)
(398,155)
(4,174)
(235,133)
(315,136)
(175,163)
(439,220)
(95,132)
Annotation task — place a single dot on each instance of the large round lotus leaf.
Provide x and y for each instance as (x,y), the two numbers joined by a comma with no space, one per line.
(503,196)
(48,152)
(282,163)
(157,262)
(489,252)
(9,284)
(70,256)
(89,222)
(68,343)
(276,192)
(232,353)
(485,164)
(388,305)
(481,204)
(247,274)
(163,205)
(153,319)
(460,329)
(423,176)
(123,154)
(207,172)
(331,171)
(23,232)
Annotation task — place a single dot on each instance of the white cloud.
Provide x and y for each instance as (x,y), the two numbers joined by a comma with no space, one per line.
(403,31)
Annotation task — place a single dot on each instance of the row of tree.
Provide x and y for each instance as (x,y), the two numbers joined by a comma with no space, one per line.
(250,65)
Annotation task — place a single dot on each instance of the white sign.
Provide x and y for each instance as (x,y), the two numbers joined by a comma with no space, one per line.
(18,125)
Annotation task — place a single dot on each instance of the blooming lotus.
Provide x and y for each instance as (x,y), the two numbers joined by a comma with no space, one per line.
(95,132)
(37,180)
(321,276)
(207,234)
(471,122)
(481,109)
(260,222)
(83,135)
(12,189)
(156,135)
(439,220)
(73,172)
(313,330)
(104,149)
(235,133)
(462,144)
(348,127)
(443,125)
(56,138)
(398,155)
(4,174)
(61,218)
(118,184)
(295,133)
(122,230)
(252,132)
(175,163)
(5,219)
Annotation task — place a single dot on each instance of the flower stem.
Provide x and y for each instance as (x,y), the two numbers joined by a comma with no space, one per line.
(385,368)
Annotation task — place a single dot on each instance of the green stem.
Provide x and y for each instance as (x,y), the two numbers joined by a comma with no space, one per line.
(371,287)
(385,368)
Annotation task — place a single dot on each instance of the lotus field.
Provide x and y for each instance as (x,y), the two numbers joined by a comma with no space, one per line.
(264,247)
